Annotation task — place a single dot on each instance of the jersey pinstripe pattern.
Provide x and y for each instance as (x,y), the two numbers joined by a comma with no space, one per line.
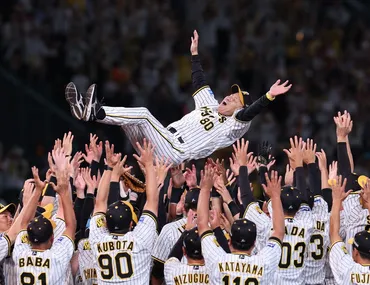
(87,264)
(5,245)
(78,279)
(202,130)
(357,219)
(237,268)
(345,270)
(47,267)
(263,222)
(167,238)
(123,259)
(298,231)
(319,243)
(176,273)
(9,271)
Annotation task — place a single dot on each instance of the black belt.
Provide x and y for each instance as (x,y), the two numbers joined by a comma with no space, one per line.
(174,131)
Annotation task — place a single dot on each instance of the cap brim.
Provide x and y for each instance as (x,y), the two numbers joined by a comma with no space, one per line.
(134,216)
(236,89)
(10,207)
(362,180)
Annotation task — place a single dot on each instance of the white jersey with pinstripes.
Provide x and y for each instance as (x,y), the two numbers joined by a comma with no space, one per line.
(48,266)
(346,271)
(5,245)
(167,238)
(202,131)
(240,268)
(123,259)
(357,218)
(319,243)
(87,263)
(263,222)
(176,273)
(298,231)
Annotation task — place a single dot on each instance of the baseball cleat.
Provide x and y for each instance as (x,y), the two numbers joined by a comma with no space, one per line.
(92,105)
(74,100)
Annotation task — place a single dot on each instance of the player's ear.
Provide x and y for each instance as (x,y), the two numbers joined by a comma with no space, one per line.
(131,225)
(184,251)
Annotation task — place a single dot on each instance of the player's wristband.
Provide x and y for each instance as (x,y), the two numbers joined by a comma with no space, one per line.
(268,96)
(106,167)
(214,193)
(176,195)
(234,209)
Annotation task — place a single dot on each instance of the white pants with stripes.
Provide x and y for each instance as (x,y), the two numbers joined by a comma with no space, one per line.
(139,123)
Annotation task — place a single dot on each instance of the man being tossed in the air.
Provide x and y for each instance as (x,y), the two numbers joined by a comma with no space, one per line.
(209,127)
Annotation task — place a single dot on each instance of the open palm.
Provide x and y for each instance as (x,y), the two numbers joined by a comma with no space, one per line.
(278,89)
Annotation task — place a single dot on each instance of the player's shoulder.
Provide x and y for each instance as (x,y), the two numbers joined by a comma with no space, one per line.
(175,225)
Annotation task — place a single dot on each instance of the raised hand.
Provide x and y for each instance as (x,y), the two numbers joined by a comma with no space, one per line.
(251,163)
(178,178)
(191,220)
(180,206)
(338,189)
(295,153)
(225,223)
(289,175)
(190,176)
(240,152)
(222,190)
(333,170)
(146,153)
(57,144)
(194,43)
(273,188)
(344,126)
(323,164)
(230,177)
(67,143)
(111,158)
(28,188)
(278,89)
(62,187)
(309,152)
(75,163)
(80,183)
(161,168)
(96,149)
(40,185)
(60,159)
(206,178)
(91,181)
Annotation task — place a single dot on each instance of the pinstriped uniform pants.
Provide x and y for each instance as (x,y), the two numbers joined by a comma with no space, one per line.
(139,123)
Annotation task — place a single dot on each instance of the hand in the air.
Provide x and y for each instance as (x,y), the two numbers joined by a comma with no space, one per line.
(278,89)
(194,43)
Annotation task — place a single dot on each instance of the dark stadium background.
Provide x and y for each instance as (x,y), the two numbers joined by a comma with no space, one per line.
(138,54)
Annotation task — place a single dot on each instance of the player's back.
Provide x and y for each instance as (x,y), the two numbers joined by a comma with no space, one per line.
(176,273)
(86,262)
(318,244)
(42,267)
(124,258)
(294,251)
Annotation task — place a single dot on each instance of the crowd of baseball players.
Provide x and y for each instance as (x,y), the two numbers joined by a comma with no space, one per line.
(84,226)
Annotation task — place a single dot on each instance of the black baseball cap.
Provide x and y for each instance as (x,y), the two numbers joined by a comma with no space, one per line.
(361,242)
(192,244)
(244,96)
(291,198)
(243,234)
(356,182)
(191,198)
(119,216)
(40,229)
(11,208)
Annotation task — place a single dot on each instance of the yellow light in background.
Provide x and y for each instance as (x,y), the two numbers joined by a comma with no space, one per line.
(299,36)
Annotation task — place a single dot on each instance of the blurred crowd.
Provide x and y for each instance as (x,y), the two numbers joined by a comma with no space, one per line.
(138,54)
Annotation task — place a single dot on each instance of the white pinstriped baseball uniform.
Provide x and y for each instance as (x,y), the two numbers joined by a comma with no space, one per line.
(314,272)
(357,218)
(345,270)
(263,222)
(87,264)
(202,131)
(123,259)
(5,245)
(298,231)
(176,272)
(238,268)
(45,267)
(167,238)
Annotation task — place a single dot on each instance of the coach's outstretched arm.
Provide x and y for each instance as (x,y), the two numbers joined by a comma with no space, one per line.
(146,159)
(197,73)
(248,113)
(206,183)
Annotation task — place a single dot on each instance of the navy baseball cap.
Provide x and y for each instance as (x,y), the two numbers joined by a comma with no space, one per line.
(291,198)
(40,229)
(244,96)
(192,244)
(361,242)
(243,234)
(119,216)
(191,198)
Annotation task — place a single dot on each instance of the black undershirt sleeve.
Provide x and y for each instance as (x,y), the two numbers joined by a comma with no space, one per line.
(249,112)
(197,74)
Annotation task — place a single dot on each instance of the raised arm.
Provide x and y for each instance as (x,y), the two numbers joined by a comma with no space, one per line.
(197,73)
(146,159)
(248,113)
